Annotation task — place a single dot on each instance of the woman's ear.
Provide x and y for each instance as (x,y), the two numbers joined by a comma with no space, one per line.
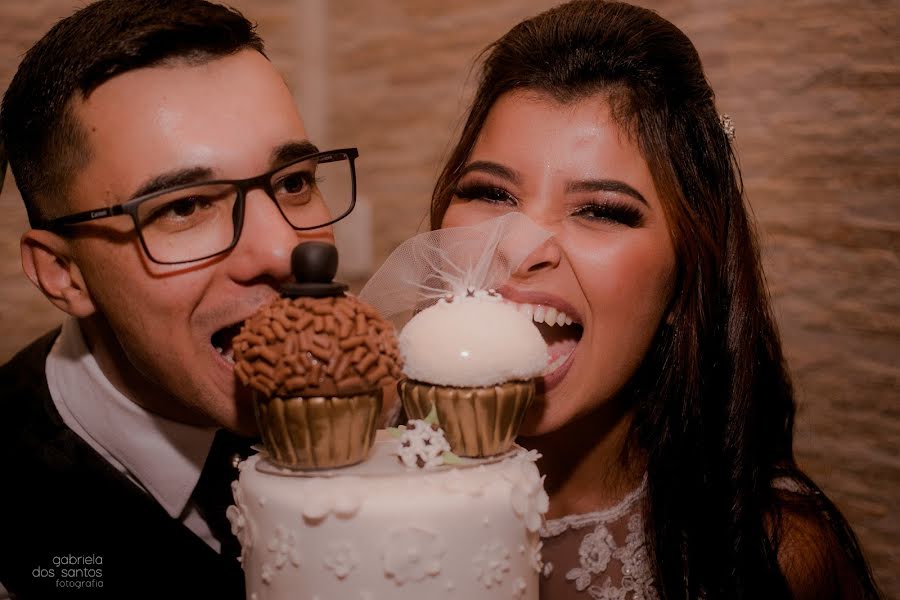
(48,263)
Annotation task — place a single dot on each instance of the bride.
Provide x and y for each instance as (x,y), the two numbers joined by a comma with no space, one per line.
(666,424)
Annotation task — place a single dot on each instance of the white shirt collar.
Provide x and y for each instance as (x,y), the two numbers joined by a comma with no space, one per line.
(164,457)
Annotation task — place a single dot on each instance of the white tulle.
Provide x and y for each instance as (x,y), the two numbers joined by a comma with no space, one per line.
(451,261)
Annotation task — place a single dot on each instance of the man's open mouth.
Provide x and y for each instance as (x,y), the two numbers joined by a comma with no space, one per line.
(222,340)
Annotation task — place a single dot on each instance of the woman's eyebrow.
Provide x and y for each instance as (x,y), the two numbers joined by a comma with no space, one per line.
(492,168)
(605,185)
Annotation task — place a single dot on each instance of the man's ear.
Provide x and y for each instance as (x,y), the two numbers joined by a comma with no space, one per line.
(48,263)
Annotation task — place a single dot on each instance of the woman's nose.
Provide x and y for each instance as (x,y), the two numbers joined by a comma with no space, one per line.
(546,256)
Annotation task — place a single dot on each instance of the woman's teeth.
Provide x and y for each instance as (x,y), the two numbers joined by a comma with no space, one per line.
(556,363)
(560,342)
(545,314)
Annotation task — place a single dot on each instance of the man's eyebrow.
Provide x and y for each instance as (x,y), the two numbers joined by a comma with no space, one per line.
(492,168)
(292,151)
(605,185)
(280,155)
(174,178)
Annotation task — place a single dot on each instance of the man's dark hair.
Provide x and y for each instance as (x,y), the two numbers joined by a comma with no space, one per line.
(44,140)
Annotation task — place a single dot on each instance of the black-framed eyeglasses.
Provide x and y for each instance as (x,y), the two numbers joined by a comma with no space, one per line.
(196,221)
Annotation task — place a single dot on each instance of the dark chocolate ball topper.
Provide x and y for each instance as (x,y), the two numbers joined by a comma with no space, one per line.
(314,265)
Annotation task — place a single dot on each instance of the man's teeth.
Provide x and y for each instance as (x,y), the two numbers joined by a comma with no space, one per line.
(545,314)
(228,354)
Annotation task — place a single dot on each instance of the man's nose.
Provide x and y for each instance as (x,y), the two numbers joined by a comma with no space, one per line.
(267,239)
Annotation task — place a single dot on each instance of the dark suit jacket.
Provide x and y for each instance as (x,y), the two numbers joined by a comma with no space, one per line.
(68,518)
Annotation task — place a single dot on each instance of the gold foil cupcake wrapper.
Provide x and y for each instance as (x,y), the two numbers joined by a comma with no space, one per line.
(417,398)
(319,432)
(478,421)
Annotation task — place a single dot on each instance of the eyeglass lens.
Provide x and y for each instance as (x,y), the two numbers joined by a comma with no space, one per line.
(199,221)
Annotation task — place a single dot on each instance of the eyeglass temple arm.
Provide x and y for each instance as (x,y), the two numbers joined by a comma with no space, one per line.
(81,217)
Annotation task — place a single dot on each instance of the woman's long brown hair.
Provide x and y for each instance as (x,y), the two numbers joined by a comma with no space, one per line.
(714,405)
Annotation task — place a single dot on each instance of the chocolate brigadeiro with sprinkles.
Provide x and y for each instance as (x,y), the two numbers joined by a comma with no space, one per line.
(317,359)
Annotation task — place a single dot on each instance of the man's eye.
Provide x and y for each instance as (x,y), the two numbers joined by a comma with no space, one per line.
(295,183)
(180,209)
(181,212)
(485,193)
(183,208)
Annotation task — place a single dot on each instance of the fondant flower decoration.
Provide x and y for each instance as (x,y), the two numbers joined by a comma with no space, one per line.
(411,554)
(519,588)
(535,559)
(267,573)
(341,558)
(240,525)
(491,562)
(282,545)
(422,445)
(529,500)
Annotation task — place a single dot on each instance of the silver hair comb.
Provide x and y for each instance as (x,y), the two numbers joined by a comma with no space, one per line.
(727,126)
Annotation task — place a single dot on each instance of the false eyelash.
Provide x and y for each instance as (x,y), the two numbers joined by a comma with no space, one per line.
(612,212)
(480,191)
(609,211)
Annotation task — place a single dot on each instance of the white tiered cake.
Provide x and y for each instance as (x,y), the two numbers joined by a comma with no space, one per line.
(320,517)
(381,530)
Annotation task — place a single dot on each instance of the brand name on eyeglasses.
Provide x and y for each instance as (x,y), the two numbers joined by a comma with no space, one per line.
(98,213)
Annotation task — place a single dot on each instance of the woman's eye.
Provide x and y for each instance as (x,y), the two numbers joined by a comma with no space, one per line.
(611,212)
(486,193)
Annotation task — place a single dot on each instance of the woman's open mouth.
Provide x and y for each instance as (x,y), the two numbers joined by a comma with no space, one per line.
(560,331)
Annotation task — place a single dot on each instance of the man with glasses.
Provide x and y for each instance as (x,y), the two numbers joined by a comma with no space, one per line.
(167,176)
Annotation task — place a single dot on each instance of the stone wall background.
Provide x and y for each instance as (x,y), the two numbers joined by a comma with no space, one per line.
(814,89)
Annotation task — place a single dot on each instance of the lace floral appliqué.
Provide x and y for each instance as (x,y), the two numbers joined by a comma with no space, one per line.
(612,556)
(594,554)
(598,547)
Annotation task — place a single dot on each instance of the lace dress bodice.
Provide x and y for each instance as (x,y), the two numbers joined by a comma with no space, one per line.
(601,555)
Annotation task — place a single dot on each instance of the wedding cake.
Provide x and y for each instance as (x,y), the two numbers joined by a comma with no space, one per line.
(380,530)
(332,510)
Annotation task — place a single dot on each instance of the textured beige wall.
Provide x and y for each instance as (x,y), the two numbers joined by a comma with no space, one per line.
(814,88)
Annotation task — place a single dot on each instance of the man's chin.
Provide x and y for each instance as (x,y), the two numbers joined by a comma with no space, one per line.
(243,420)
(246,430)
